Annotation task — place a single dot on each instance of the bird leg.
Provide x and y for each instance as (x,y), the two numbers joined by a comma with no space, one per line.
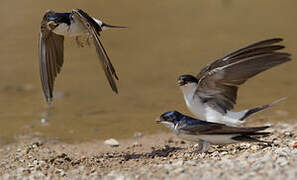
(202,146)
(79,42)
(88,40)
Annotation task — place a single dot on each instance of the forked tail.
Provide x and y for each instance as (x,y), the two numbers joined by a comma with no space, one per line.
(261,108)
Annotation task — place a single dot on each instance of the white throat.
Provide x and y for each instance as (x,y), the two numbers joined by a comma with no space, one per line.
(168,124)
(189,89)
(193,101)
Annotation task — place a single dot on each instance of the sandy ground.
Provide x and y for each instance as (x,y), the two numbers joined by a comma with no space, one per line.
(159,156)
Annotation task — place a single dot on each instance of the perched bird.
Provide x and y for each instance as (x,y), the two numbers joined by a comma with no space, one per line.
(206,133)
(54,26)
(211,95)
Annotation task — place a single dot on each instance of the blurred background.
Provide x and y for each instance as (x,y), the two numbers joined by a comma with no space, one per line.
(164,39)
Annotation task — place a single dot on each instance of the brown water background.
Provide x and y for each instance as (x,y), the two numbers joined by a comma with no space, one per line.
(165,38)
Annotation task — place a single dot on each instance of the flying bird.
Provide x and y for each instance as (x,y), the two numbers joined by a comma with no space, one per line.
(54,26)
(211,95)
(205,133)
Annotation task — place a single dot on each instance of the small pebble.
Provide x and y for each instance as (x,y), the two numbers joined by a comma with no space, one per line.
(44,121)
(111,142)
(224,152)
(254,147)
(288,133)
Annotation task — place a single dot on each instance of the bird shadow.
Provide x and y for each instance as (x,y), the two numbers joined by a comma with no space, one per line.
(160,152)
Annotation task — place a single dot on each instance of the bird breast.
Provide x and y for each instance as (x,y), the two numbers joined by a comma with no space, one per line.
(195,105)
(74,29)
(213,139)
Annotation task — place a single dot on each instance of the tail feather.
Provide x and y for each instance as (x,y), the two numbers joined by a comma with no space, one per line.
(261,108)
(112,26)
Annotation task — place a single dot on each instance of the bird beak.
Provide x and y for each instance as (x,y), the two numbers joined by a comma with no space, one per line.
(181,82)
(52,25)
(158,120)
(106,26)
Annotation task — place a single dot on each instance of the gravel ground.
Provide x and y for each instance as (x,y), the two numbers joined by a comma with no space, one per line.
(159,156)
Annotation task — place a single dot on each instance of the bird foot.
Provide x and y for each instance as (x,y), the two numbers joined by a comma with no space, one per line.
(202,146)
(88,40)
(79,42)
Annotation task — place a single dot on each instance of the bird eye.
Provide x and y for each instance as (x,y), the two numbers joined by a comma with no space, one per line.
(165,118)
(169,118)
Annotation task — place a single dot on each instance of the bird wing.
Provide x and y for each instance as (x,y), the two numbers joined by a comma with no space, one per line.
(51,56)
(218,82)
(94,30)
(200,127)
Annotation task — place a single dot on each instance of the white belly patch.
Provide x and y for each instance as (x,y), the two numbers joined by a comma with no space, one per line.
(207,113)
(195,106)
(74,29)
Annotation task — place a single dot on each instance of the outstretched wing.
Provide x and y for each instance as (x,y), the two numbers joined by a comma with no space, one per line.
(94,29)
(218,82)
(51,56)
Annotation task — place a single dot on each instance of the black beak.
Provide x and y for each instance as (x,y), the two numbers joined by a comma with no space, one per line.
(158,120)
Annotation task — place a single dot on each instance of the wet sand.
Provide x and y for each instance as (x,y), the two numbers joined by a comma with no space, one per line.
(158,156)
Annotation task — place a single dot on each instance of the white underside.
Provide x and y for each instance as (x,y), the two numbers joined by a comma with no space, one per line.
(75,28)
(207,113)
(213,139)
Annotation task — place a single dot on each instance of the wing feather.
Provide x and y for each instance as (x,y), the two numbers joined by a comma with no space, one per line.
(218,82)
(94,30)
(251,49)
(200,128)
(51,56)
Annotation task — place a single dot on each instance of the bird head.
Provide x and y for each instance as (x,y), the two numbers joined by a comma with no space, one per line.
(187,83)
(170,118)
(186,79)
(58,18)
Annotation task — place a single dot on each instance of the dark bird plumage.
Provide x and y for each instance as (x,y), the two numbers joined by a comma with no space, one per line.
(51,45)
(200,131)
(218,82)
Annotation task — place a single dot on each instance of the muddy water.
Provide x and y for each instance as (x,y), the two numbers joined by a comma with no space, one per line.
(164,39)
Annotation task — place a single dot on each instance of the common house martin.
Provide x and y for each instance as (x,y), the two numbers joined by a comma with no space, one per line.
(205,133)
(54,26)
(211,95)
